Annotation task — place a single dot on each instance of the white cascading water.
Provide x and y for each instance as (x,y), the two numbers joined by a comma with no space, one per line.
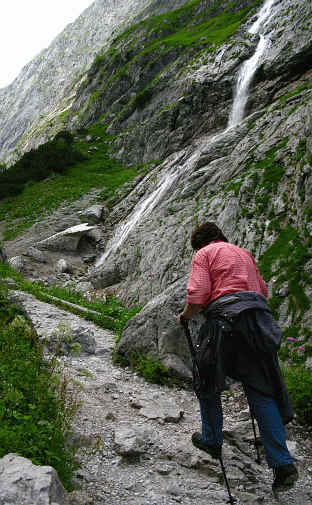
(142,210)
(249,67)
(246,73)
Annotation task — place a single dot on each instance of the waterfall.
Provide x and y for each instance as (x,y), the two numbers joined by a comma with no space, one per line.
(248,69)
(142,210)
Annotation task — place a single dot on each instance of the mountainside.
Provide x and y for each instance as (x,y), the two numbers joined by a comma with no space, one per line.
(35,105)
(165,90)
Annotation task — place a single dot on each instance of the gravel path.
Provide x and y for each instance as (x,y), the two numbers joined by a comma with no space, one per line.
(136,447)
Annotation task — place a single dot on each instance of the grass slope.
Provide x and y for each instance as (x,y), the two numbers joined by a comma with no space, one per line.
(97,171)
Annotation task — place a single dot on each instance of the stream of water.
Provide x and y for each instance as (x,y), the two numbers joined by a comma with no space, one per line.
(249,67)
(246,73)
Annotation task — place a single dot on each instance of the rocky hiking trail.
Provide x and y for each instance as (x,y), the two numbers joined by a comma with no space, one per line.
(134,437)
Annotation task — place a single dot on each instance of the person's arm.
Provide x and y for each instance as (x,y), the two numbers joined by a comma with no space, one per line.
(198,288)
(190,310)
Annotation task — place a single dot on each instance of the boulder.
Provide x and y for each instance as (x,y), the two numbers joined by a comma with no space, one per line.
(154,331)
(106,275)
(22,483)
(132,440)
(36,255)
(17,263)
(66,240)
(163,410)
(94,214)
(62,266)
(95,234)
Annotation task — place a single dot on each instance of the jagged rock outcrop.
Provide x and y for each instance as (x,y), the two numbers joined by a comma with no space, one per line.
(36,104)
(22,483)
(254,179)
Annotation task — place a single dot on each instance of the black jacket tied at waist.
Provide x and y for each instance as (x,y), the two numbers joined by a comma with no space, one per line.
(240,339)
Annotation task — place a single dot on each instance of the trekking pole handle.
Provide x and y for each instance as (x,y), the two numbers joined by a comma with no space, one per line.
(184,322)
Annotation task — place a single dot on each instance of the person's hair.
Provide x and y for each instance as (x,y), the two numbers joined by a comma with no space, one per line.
(206,233)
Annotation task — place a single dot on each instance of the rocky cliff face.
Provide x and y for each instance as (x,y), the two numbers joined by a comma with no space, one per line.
(254,178)
(35,105)
(165,88)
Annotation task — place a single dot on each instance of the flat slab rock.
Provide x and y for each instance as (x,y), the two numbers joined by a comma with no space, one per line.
(166,412)
(66,240)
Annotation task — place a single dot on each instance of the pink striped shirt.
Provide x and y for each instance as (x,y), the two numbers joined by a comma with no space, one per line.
(221,268)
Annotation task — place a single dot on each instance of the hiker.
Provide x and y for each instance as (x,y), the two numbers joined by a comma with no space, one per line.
(239,339)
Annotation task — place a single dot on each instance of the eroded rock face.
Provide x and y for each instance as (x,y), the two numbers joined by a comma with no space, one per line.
(22,483)
(46,86)
(254,180)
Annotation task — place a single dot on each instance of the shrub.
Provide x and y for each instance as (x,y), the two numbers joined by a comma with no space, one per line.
(152,370)
(35,408)
(299,384)
(38,164)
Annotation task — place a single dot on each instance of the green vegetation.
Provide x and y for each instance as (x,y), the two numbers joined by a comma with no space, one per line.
(295,92)
(50,158)
(152,370)
(285,259)
(152,45)
(112,313)
(296,346)
(299,384)
(35,410)
(98,170)
(191,25)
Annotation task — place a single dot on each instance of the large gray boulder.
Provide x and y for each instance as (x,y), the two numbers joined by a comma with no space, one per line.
(66,240)
(94,214)
(36,255)
(155,332)
(22,483)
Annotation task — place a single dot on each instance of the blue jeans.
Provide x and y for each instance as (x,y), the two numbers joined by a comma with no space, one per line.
(270,424)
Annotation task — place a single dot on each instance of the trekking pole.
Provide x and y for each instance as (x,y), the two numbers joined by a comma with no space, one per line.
(258,460)
(196,368)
